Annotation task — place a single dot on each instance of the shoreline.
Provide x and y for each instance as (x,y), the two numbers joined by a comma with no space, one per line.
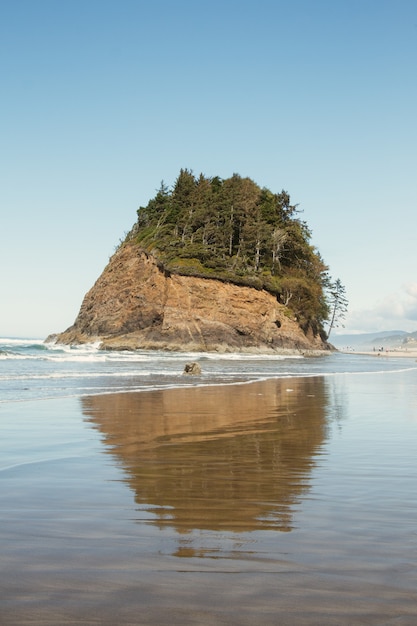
(390,352)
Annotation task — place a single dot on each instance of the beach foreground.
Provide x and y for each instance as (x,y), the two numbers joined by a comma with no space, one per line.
(390,352)
(287,501)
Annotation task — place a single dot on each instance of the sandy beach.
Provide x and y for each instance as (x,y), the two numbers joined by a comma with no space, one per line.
(389,352)
(245,504)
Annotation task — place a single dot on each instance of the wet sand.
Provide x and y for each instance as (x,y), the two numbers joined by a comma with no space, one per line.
(247,504)
(389,352)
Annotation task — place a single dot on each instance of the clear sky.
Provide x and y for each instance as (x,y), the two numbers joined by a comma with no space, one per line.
(103,99)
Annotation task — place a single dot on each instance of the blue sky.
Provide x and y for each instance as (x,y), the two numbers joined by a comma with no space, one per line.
(101,100)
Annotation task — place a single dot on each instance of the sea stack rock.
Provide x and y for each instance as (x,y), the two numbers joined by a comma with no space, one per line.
(137,304)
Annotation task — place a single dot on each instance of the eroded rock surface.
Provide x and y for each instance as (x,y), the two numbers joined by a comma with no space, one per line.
(137,305)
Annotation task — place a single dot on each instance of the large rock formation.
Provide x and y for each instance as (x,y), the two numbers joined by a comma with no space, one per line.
(135,304)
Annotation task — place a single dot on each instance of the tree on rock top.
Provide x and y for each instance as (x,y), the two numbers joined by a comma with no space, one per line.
(233,230)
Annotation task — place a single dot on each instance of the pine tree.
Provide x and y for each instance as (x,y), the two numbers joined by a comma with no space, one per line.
(338,304)
(235,231)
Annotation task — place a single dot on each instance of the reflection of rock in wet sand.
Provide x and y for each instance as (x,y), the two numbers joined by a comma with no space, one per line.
(232,457)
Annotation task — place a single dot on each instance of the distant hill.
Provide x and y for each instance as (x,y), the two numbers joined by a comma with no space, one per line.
(369,341)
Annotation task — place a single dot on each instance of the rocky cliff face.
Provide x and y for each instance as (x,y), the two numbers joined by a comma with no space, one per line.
(136,305)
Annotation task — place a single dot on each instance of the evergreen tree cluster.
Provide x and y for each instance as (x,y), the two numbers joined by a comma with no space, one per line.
(233,230)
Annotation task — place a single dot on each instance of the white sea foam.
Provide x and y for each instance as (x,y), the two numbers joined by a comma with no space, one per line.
(31,369)
(13,341)
(246,356)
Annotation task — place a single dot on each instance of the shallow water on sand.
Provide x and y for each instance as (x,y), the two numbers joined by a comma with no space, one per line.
(32,370)
(288,501)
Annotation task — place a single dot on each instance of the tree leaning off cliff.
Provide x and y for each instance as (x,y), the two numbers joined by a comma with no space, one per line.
(338,304)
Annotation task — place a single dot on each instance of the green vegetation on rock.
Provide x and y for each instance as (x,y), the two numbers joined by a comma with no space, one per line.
(232,230)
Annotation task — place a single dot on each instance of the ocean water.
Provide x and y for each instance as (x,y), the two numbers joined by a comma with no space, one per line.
(31,369)
(132,494)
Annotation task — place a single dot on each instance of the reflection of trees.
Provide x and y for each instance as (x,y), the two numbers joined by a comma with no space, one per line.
(216,458)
